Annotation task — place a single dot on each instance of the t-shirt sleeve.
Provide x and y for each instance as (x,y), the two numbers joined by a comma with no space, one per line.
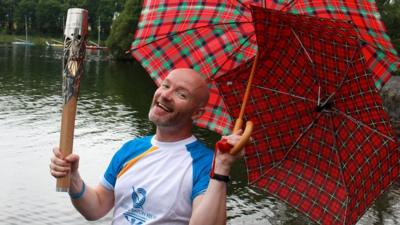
(202,183)
(201,170)
(110,175)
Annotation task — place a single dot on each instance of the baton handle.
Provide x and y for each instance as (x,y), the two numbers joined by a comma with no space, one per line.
(67,139)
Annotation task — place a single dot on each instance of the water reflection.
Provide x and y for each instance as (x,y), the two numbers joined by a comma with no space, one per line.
(112,108)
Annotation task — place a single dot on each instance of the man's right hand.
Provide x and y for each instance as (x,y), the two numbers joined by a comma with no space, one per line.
(60,166)
(94,203)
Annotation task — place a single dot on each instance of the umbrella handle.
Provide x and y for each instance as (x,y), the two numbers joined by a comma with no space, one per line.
(245,136)
(239,121)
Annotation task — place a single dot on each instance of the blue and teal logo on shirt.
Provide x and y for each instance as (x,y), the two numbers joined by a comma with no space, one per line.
(136,215)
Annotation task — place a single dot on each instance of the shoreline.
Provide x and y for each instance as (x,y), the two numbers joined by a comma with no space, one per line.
(37,40)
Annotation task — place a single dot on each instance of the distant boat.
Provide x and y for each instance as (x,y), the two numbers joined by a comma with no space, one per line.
(23,42)
(54,43)
(95,46)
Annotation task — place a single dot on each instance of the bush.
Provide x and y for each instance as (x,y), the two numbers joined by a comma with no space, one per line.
(123,29)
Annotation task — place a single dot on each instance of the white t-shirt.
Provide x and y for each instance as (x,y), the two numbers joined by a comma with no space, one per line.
(155,182)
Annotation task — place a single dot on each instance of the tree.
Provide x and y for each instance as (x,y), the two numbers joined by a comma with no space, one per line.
(22,11)
(99,11)
(3,16)
(7,11)
(105,13)
(49,17)
(390,12)
(123,29)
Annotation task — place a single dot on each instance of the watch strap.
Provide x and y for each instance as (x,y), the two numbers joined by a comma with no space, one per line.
(220,177)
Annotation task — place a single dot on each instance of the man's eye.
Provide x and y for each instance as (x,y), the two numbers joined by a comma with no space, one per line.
(181,94)
(165,86)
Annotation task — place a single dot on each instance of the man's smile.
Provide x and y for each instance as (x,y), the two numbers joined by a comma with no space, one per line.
(164,106)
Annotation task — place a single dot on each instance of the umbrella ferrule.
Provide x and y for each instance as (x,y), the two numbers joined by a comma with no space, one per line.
(326,105)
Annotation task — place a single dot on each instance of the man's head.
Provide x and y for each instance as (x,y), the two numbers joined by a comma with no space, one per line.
(179,100)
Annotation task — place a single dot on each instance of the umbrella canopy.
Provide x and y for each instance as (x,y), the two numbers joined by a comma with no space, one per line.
(211,37)
(322,140)
(380,55)
(215,36)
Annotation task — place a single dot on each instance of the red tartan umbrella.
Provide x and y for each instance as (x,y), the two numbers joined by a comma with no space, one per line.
(380,55)
(322,140)
(215,36)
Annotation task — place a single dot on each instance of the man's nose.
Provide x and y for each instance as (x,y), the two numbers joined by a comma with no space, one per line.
(166,94)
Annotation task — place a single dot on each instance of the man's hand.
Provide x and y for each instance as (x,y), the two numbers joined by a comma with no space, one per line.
(210,208)
(60,166)
(95,202)
(224,160)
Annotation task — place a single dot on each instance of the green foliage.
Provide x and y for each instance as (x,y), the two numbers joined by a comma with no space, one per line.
(7,11)
(105,14)
(390,12)
(46,17)
(123,29)
(49,17)
(23,10)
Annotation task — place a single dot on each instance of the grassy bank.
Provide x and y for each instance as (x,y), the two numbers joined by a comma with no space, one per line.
(37,40)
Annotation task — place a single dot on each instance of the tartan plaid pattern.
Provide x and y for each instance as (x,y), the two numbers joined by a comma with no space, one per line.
(380,55)
(216,36)
(322,140)
(211,37)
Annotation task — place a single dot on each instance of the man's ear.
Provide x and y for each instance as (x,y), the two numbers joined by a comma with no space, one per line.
(197,114)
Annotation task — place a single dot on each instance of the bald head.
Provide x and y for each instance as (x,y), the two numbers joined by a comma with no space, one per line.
(195,81)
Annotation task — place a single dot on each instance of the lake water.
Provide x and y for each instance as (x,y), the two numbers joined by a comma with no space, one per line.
(112,108)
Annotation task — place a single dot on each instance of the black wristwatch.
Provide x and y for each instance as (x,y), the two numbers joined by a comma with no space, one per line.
(220,177)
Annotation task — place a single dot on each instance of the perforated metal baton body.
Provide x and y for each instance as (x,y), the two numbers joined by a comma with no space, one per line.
(75,34)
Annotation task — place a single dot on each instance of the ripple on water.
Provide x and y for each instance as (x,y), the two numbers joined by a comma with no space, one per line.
(29,128)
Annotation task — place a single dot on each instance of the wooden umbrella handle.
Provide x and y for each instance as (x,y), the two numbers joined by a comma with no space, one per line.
(239,121)
(244,138)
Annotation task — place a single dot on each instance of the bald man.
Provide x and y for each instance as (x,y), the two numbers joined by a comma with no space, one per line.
(164,178)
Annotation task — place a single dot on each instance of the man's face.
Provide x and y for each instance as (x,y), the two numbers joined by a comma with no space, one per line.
(175,102)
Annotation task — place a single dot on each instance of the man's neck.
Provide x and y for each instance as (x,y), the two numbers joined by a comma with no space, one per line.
(171,135)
